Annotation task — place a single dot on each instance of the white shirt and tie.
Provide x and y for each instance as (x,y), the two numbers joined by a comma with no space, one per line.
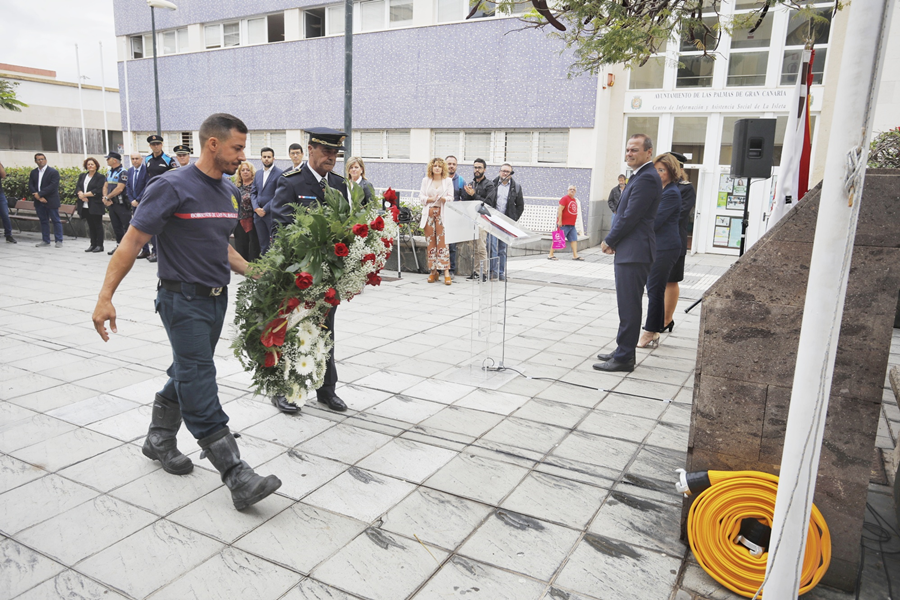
(41,176)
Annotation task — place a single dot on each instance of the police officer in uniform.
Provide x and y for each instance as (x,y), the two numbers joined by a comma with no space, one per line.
(183,155)
(115,198)
(193,210)
(305,186)
(156,163)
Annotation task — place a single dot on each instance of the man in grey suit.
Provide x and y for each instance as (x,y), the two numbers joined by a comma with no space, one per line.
(633,242)
(264,184)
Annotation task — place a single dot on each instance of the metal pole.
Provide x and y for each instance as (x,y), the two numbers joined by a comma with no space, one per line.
(81,103)
(128,139)
(746,218)
(103,91)
(348,78)
(155,72)
(839,204)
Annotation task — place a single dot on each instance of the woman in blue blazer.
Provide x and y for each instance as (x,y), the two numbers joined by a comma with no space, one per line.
(668,248)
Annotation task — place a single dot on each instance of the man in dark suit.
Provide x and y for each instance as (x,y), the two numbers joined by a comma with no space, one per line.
(633,242)
(264,184)
(43,185)
(306,186)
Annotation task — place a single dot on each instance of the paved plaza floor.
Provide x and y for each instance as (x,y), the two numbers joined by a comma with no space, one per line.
(438,483)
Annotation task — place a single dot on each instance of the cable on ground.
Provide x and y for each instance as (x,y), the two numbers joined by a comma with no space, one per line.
(729,526)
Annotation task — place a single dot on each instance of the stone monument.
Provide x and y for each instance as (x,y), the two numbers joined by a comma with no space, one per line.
(747,350)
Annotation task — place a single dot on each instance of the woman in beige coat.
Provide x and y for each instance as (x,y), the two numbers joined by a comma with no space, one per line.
(437,190)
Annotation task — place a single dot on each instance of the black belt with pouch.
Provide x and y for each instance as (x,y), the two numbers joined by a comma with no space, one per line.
(198,290)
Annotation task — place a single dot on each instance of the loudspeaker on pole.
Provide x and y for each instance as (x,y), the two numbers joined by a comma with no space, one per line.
(753,149)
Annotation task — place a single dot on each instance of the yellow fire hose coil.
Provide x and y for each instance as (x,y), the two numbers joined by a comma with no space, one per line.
(714,524)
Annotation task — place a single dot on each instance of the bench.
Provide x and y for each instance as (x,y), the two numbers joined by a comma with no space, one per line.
(24,211)
(541,218)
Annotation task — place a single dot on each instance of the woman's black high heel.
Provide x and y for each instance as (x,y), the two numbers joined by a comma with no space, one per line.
(669,327)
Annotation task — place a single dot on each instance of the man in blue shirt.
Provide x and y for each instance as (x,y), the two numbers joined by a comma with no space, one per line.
(192,210)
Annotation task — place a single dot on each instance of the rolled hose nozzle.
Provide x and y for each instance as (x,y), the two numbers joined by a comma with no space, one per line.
(692,484)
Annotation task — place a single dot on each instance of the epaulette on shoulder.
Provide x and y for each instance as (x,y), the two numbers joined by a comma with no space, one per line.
(291,172)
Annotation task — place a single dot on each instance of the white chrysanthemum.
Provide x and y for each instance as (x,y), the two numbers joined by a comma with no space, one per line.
(305,365)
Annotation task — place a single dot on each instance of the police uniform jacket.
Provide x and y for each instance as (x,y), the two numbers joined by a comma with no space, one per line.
(301,187)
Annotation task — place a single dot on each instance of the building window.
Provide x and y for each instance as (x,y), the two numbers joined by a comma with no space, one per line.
(256,31)
(446,143)
(314,20)
(485,9)
(275,26)
(648,126)
(400,12)
(798,31)
(553,147)
(696,70)
(450,10)
(222,35)
(516,147)
(187,139)
(650,76)
(276,140)
(173,42)
(477,144)
(746,62)
(14,136)
(390,144)
(335,19)
(371,15)
(142,46)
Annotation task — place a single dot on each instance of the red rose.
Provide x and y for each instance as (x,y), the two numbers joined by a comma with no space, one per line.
(377,224)
(373,279)
(272,358)
(303,280)
(388,242)
(340,249)
(368,257)
(273,334)
(309,304)
(331,297)
(390,195)
(395,213)
(361,229)
(289,305)
(387,256)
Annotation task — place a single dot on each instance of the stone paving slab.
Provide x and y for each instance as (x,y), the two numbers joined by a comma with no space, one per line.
(440,481)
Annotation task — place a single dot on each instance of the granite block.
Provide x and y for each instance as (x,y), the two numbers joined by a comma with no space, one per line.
(728,416)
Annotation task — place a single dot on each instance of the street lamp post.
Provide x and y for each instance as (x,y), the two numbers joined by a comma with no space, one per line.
(154,4)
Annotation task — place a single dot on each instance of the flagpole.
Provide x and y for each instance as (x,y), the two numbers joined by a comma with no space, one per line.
(81,103)
(103,91)
(839,203)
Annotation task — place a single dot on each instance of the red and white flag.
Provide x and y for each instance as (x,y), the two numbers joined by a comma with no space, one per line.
(793,177)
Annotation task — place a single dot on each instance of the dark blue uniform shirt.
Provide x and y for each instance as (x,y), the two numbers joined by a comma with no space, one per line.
(193,216)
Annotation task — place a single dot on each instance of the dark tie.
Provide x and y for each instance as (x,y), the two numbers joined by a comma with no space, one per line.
(322,183)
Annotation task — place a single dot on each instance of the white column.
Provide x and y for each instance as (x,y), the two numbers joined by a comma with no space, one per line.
(825,292)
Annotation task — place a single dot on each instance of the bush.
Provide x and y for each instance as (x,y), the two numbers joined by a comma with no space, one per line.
(884,151)
(15,185)
(416,209)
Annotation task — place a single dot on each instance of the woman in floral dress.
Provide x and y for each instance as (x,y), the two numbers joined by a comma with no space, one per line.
(436,191)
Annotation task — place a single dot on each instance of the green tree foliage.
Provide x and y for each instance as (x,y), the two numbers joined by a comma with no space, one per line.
(8,98)
(608,32)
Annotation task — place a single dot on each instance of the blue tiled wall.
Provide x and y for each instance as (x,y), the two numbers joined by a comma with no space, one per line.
(467,75)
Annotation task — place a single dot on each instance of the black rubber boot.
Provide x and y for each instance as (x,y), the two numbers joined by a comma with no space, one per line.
(160,442)
(246,486)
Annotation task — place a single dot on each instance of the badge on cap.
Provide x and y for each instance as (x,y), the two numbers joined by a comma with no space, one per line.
(183,149)
(330,138)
